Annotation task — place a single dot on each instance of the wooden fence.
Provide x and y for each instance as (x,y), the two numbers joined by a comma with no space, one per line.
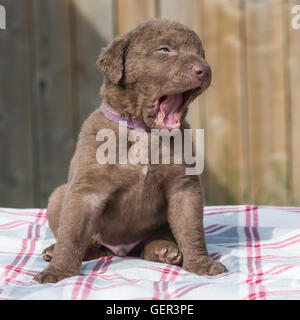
(49,85)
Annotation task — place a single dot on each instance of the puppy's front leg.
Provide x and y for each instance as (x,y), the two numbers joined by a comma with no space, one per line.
(81,210)
(185,216)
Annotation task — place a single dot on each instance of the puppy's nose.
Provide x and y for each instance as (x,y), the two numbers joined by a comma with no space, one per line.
(201,71)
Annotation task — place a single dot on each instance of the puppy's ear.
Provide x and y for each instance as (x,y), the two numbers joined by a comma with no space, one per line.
(111,59)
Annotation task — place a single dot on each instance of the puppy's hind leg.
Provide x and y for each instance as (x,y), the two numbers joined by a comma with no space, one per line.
(161,247)
(53,214)
(82,208)
(54,208)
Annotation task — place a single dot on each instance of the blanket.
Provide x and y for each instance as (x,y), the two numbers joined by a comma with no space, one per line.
(259,245)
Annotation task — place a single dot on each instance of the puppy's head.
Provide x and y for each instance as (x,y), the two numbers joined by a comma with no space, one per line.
(156,69)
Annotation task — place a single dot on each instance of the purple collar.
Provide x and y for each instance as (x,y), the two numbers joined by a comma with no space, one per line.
(112,115)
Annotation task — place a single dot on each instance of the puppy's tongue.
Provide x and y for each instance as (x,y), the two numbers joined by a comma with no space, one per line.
(169,114)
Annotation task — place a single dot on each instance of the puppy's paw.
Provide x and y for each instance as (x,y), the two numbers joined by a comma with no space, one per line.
(205,266)
(163,251)
(169,253)
(52,275)
(216,268)
(48,253)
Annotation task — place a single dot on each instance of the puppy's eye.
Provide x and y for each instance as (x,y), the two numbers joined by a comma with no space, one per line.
(164,49)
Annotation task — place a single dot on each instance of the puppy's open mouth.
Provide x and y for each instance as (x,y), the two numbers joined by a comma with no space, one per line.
(172,107)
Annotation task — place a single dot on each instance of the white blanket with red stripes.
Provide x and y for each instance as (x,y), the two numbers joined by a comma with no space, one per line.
(259,245)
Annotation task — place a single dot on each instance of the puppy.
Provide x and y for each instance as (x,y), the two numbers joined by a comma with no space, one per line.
(155,211)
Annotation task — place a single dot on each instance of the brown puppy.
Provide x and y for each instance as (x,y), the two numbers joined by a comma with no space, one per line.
(152,73)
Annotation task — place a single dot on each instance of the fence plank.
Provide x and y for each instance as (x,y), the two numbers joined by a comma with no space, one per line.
(265,54)
(132,12)
(16,172)
(52,95)
(294,71)
(226,160)
(93,25)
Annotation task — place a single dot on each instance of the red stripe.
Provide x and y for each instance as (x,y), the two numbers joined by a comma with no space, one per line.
(249,252)
(285,245)
(277,293)
(259,270)
(173,293)
(14,224)
(17,253)
(270,257)
(248,208)
(210,227)
(221,208)
(164,275)
(21,270)
(216,255)
(191,287)
(112,286)
(165,290)
(32,241)
(19,213)
(162,270)
(274,245)
(219,212)
(282,241)
(44,218)
(282,268)
(174,273)
(216,229)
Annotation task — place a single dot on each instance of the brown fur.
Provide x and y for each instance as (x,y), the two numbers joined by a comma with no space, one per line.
(118,203)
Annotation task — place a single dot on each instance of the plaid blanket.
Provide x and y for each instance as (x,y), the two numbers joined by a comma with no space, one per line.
(259,245)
